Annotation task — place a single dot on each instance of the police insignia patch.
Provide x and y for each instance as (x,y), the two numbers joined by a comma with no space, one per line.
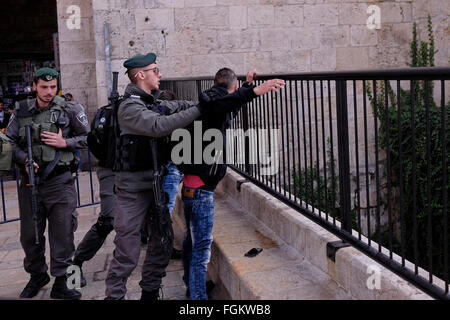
(54,117)
(82,118)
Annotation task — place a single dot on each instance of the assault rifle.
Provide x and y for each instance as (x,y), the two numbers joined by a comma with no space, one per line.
(160,222)
(114,96)
(32,182)
(114,100)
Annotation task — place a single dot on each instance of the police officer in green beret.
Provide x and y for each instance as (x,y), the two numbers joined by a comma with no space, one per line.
(141,118)
(58,127)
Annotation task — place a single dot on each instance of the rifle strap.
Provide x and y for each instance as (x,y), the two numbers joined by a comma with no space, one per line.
(49,168)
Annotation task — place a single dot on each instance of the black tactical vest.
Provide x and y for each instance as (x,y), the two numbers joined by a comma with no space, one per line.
(48,120)
(134,151)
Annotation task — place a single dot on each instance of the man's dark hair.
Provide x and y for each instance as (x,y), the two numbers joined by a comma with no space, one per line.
(131,73)
(167,95)
(225,78)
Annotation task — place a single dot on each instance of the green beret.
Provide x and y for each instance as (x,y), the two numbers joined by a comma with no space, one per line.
(46,74)
(140,61)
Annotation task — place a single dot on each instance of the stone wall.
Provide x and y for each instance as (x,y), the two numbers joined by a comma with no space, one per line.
(77,54)
(196,37)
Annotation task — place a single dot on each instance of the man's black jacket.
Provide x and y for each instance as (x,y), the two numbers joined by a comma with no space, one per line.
(219,104)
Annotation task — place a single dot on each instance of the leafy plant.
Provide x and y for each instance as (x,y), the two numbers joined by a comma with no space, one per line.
(411,133)
(319,189)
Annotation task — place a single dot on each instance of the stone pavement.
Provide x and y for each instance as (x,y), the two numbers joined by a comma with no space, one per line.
(13,278)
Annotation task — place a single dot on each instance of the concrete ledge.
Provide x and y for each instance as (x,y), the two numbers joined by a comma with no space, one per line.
(293,264)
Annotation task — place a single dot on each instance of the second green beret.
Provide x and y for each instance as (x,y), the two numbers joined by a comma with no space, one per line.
(140,61)
(46,74)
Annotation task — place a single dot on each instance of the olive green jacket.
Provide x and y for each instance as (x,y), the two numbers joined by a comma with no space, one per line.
(74,132)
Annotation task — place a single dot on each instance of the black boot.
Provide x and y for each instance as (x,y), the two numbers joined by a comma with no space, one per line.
(176,254)
(37,281)
(61,291)
(150,295)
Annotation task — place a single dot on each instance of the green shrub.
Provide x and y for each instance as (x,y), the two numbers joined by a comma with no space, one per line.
(415,149)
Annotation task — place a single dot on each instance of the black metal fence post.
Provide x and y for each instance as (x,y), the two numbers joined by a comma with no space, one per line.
(343,155)
(245,126)
(198,84)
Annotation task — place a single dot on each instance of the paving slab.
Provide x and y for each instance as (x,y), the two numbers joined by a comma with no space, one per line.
(13,278)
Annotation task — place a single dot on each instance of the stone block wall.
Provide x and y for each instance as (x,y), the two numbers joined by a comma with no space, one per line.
(197,37)
(77,54)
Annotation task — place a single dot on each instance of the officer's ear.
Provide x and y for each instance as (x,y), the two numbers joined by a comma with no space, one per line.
(139,76)
(236,85)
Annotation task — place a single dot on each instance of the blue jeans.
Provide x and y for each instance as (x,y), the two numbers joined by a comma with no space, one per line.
(170,185)
(199,215)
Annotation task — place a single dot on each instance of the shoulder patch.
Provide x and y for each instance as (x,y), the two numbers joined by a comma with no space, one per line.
(81,117)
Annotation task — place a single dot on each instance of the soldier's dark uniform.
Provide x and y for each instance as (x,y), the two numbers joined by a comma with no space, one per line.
(56,194)
(139,121)
(97,234)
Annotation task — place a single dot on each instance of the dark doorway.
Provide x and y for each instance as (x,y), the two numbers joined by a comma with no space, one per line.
(27,32)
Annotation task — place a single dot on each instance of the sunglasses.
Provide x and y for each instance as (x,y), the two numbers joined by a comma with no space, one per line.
(154,69)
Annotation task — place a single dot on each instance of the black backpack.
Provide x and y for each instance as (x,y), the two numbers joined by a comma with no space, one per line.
(102,137)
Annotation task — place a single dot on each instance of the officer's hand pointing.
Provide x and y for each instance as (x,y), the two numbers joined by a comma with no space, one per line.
(269,85)
(54,139)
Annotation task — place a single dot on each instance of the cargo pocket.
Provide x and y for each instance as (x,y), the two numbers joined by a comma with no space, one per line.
(66,157)
(35,133)
(5,155)
(22,134)
(48,153)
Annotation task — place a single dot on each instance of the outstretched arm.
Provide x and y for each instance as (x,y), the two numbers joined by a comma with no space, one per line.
(233,101)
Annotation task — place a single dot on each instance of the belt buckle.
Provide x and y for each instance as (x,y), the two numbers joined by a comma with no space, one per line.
(188,192)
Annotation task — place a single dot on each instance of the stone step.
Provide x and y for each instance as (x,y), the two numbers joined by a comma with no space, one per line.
(293,263)
(278,272)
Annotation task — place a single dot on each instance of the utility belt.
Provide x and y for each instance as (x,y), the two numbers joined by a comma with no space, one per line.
(57,171)
(134,154)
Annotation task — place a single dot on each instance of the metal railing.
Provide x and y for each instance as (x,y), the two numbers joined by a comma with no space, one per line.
(365,154)
(4,218)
